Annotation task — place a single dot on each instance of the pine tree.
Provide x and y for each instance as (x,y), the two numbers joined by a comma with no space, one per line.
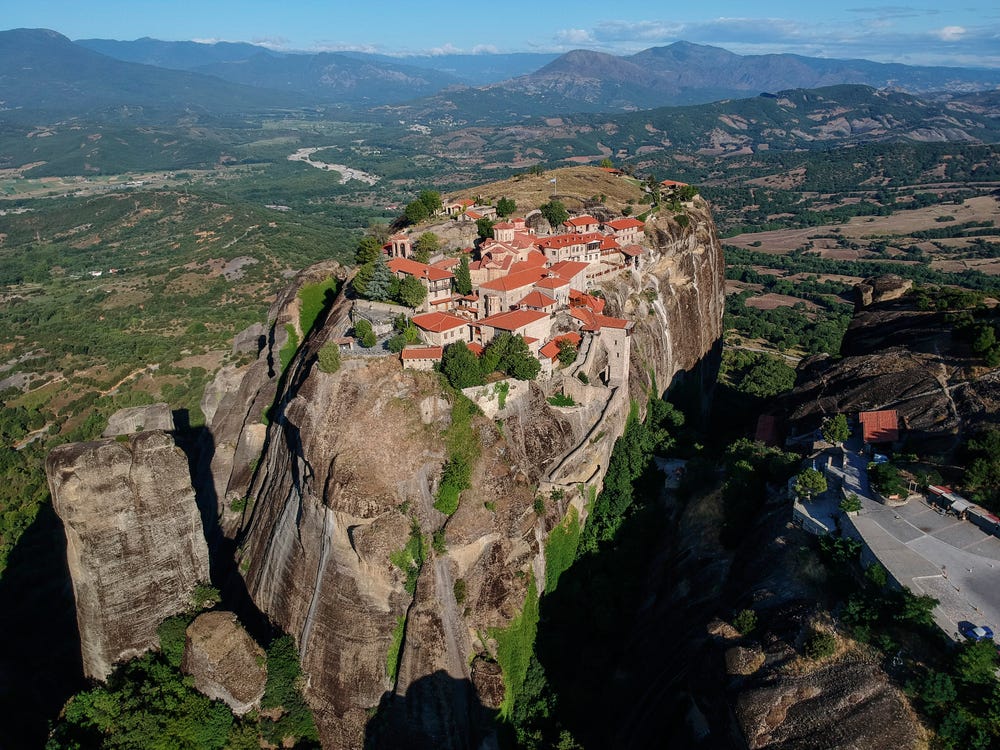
(463,278)
(380,285)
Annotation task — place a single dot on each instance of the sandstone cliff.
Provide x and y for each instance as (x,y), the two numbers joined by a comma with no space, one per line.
(347,476)
(224,661)
(135,544)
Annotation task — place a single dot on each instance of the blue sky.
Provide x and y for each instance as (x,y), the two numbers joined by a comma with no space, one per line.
(915,33)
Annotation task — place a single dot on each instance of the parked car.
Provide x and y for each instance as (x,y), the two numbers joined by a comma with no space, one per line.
(975,632)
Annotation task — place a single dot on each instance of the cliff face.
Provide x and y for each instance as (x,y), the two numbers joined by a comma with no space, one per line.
(348,474)
(135,544)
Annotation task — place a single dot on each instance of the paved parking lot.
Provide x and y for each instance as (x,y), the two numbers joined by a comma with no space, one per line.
(937,554)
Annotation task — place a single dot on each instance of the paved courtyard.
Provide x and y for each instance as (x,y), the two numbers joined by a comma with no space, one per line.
(928,550)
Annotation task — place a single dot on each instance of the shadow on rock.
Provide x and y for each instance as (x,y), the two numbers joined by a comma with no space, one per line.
(438,712)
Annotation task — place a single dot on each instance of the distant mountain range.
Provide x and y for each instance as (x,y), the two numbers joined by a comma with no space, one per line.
(42,69)
(684,73)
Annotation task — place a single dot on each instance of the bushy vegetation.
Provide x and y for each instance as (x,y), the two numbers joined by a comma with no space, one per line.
(982,475)
(283,694)
(561,399)
(515,645)
(755,373)
(463,452)
(315,300)
(410,559)
(886,479)
(328,358)
(506,353)
(560,548)
(745,621)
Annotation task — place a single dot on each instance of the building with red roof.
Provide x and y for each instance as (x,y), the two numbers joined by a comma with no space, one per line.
(421,357)
(503,293)
(575,272)
(879,426)
(533,324)
(626,231)
(442,328)
(537,300)
(573,246)
(437,281)
(582,224)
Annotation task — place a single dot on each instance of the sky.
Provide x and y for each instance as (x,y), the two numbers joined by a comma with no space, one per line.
(918,33)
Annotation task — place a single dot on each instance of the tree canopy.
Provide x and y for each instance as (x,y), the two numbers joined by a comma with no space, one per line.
(463,276)
(810,482)
(554,212)
(835,430)
(425,246)
(505,207)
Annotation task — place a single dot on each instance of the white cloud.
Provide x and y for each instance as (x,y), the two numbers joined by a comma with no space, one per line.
(574,36)
(951,33)
(445,49)
(485,49)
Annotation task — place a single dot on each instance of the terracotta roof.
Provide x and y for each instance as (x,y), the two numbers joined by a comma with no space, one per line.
(579,299)
(880,426)
(530,340)
(436,322)
(609,243)
(512,320)
(568,239)
(445,263)
(594,322)
(569,268)
(619,224)
(552,282)
(503,225)
(632,250)
(514,280)
(581,221)
(473,214)
(422,352)
(534,260)
(475,348)
(551,349)
(536,299)
(420,270)
(672,183)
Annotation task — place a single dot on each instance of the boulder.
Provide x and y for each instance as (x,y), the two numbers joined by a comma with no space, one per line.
(224,661)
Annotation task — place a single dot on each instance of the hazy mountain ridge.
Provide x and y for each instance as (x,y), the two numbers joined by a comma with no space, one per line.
(43,70)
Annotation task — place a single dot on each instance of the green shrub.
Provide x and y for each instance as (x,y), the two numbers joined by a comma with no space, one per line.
(204,595)
(539,505)
(459,590)
(561,399)
(329,358)
(820,644)
(850,504)
(172,634)
(315,299)
(745,621)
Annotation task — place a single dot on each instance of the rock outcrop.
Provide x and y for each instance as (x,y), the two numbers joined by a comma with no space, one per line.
(895,356)
(135,544)
(224,661)
(140,419)
(348,473)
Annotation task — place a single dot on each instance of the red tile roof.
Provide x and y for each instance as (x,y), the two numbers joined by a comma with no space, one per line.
(551,349)
(445,263)
(620,224)
(552,282)
(420,270)
(880,426)
(536,299)
(422,352)
(672,183)
(609,243)
(560,240)
(473,214)
(579,299)
(512,320)
(594,322)
(503,225)
(569,268)
(514,280)
(534,259)
(581,221)
(475,348)
(436,322)
(632,250)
